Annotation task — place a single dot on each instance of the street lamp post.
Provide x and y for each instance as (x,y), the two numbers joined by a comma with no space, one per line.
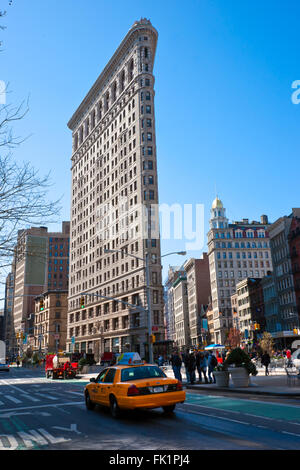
(148,288)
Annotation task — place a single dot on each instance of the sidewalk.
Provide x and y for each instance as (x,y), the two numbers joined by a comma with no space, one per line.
(273,385)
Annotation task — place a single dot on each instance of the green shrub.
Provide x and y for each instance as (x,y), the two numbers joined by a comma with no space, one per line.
(240,358)
(82,362)
(35,358)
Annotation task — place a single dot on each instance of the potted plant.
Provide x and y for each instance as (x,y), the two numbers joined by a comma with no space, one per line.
(83,365)
(240,367)
(221,375)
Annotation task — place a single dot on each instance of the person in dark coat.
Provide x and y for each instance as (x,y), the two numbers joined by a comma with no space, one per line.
(191,367)
(176,363)
(265,360)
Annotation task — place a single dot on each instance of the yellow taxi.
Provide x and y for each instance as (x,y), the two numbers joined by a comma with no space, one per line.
(131,384)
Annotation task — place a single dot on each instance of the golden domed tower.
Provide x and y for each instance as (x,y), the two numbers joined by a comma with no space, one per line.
(218,215)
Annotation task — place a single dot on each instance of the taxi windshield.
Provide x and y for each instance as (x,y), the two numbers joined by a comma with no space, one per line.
(143,372)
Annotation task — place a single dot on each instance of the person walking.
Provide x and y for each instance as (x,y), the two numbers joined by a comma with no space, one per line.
(186,360)
(160,361)
(192,367)
(201,366)
(265,360)
(211,364)
(289,358)
(176,363)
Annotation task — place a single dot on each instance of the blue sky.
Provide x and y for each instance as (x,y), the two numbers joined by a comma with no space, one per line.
(224,116)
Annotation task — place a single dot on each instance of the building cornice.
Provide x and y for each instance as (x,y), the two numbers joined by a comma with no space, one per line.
(101,82)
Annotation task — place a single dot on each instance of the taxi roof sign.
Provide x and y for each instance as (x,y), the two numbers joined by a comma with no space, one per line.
(129,358)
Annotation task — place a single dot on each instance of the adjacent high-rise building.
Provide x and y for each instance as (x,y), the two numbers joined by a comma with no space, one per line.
(41,262)
(114,196)
(181,313)
(173,273)
(236,251)
(198,289)
(284,285)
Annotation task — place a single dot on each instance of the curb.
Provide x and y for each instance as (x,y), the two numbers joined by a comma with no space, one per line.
(245,391)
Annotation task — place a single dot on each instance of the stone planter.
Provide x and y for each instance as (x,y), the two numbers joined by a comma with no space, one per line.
(240,376)
(222,378)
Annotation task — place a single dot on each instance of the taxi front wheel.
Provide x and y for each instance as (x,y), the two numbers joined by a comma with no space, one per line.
(89,404)
(114,408)
(169,409)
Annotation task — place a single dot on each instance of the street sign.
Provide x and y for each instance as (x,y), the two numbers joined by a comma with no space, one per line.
(73,340)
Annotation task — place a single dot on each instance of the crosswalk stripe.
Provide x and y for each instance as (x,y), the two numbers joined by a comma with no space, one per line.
(47,396)
(29,397)
(15,400)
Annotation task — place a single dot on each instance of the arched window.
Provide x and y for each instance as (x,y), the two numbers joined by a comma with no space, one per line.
(76,141)
(99,110)
(87,127)
(131,67)
(106,101)
(122,81)
(93,119)
(114,92)
(81,135)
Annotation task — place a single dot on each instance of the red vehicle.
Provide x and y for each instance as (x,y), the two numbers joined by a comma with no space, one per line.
(108,359)
(59,367)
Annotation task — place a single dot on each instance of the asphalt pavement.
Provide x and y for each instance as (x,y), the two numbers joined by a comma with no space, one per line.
(38,413)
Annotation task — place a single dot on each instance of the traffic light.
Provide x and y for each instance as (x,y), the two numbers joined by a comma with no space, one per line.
(152,338)
(257,326)
(295,331)
(82,302)
(41,304)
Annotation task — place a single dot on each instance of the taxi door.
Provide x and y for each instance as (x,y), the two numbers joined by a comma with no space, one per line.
(95,388)
(106,386)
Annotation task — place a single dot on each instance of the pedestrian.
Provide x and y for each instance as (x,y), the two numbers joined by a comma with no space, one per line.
(160,361)
(176,363)
(18,362)
(265,360)
(289,358)
(191,366)
(186,360)
(211,364)
(201,366)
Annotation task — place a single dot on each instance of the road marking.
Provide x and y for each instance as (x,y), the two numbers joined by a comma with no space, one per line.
(13,443)
(47,396)
(15,400)
(49,405)
(290,433)
(32,436)
(218,417)
(52,439)
(73,428)
(29,397)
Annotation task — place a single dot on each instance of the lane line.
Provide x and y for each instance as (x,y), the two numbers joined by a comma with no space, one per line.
(49,405)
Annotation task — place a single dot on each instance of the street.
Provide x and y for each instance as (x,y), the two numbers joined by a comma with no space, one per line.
(36,413)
